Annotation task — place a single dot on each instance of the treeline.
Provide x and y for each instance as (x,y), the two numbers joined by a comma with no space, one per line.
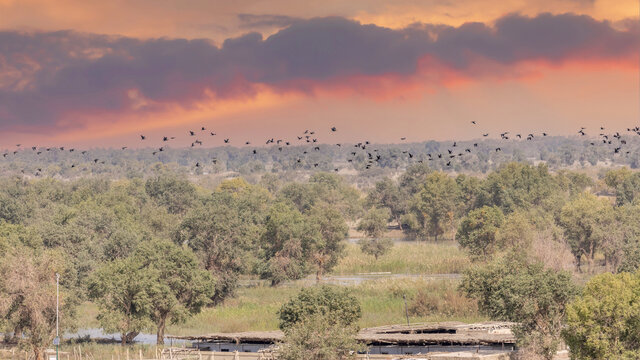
(152,251)
(475,156)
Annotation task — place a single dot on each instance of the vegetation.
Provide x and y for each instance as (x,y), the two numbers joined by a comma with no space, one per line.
(374,225)
(406,257)
(317,337)
(168,250)
(320,323)
(602,323)
(334,304)
(28,297)
(512,289)
(159,282)
(478,231)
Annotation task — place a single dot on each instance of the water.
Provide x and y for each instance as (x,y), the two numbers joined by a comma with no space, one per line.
(99,334)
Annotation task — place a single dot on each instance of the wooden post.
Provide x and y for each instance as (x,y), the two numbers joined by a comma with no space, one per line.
(140,354)
(80,352)
(127,353)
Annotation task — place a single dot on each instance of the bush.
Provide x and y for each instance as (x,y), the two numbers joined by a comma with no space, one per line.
(337,304)
(603,323)
(319,337)
(513,289)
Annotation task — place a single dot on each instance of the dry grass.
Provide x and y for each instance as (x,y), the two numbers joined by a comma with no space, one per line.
(444,299)
(553,254)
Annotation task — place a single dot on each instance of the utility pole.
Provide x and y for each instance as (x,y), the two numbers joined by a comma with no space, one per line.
(57,339)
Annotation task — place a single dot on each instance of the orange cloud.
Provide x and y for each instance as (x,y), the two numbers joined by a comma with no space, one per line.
(89,87)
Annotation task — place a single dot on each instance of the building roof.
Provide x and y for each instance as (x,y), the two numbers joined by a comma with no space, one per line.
(442,333)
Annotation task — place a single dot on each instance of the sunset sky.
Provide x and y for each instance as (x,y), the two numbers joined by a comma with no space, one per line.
(99,73)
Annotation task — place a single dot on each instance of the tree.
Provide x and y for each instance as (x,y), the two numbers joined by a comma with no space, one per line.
(615,178)
(180,288)
(512,289)
(28,296)
(414,178)
(386,194)
(158,283)
(337,304)
(478,231)
(603,322)
(438,201)
(333,230)
(581,220)
(318,338)
(221,237)
(333,190)
(619,238)
(300,195)
(518,185)
(470,192)
(176,193)
(284,244)
(120,288)
(628,190)
(374,225)
(516,232)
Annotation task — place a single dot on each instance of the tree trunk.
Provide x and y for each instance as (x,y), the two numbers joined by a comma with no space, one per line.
(160,334)
(127,338)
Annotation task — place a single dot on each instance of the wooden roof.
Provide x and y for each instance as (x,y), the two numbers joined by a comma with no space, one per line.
(443,333)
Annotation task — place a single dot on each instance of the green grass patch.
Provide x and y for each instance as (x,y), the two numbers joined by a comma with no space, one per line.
(406,258)
(382,302)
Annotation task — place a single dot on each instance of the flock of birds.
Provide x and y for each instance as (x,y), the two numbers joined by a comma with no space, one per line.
(365,148)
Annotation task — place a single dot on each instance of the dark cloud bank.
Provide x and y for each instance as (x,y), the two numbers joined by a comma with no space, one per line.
(45,75)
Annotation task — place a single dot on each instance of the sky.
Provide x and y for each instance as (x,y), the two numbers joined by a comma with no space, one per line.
(100,73)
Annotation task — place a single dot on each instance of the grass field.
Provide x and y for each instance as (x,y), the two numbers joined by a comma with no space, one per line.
(255,308)
(381,301)
(406,258)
